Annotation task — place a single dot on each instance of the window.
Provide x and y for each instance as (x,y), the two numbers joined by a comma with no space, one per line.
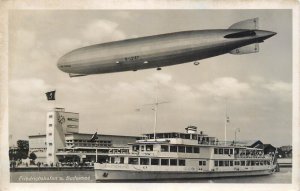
(216,151)
(226,163)
(50,144)
(252,163)
(133,161)
(181,149)
(236,163)
(196,150)
(164,162)
(221,151)
(231,151)
(149,147)
(50,125)
(194,137)
(189,149)
(248,163)
(173,162)
(164,148)
(261,163)
(173,148)
(50,134)
(221,163)
(72,119)
(216,163)
(231,163)
(226,151)
(121,160)
(112,159)
(50,116)
(181,162)
(50,154)
(243,163)
(154,161)
(144,161)
(142,147)
(202,163)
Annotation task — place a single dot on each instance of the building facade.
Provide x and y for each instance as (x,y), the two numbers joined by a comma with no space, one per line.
(63,142)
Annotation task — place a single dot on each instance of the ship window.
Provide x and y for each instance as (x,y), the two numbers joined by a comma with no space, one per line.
(196,150)
(236,163)
(261,162)
(144,161)
(181,162)
(142,147)
(252,163)
(220,151)
(265,162)
(50,116)
(216,163)
(149,147)
(215,151)
(268,162)
(248,163)
(257,163)
(226,163)
(226,151)
(173,148)
(154,161)
(135,147)
(181,149)
(194,137)
(221,163)
(112,159)
(182,136)
(164,148)
(189,149)
(121,160)
(164,162)
(133,161)
(231,163)
(231,151)
(187,136)
(243,163)
(202,163)
(173,162)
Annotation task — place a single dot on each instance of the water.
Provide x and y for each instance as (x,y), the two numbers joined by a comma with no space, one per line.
(284,176)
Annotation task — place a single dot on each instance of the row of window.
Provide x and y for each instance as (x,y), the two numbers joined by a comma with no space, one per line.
(222,151)
(241,163)
(69,119)
(155,161)
(180,149)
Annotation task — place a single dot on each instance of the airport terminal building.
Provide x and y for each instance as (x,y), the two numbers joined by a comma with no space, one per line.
(63,142)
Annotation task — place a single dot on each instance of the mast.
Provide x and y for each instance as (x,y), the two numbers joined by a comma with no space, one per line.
(226,121)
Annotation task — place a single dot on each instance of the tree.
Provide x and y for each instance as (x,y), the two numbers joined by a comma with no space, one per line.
(32,156)
(23,146)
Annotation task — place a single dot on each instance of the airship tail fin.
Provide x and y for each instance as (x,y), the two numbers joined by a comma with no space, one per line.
(252,48)
(250,24)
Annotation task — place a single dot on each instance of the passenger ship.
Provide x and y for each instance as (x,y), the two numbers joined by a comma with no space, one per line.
(189,155)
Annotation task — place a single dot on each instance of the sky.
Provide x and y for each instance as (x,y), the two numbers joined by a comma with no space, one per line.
(257,87)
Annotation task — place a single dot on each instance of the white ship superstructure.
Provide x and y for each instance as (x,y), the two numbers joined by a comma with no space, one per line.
(187,155)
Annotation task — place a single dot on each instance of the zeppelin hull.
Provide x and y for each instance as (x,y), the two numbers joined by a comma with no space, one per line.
(120,175)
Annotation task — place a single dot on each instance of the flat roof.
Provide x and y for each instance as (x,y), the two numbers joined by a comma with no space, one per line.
(91,134)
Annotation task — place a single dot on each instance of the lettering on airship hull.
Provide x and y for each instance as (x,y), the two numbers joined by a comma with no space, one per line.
(131,58)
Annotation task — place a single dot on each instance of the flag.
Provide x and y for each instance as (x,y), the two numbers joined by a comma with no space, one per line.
(94,137)
(50,95)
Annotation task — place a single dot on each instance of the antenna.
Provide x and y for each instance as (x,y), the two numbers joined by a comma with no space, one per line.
(155,109)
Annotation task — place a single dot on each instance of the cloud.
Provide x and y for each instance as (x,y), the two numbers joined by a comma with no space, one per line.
(225,87)
(282,90)
(102,31)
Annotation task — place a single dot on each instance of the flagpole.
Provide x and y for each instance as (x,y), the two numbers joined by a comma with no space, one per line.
(226,118)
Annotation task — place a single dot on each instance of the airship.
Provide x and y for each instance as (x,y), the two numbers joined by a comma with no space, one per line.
(162,50)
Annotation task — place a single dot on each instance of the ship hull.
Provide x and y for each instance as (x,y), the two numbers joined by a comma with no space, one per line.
(125,175)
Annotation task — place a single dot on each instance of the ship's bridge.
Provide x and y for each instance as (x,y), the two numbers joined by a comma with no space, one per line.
(191,136)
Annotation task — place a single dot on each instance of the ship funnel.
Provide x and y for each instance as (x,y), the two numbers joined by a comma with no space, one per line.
(191,129)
